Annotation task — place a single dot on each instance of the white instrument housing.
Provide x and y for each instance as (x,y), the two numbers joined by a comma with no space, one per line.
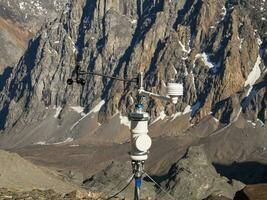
(174,91)
(140,140)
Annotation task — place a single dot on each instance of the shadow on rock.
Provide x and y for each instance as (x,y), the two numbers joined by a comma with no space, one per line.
(246,172)
(3,77)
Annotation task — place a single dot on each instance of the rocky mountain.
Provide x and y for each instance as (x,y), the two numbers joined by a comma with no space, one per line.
(217,49)
(19,21)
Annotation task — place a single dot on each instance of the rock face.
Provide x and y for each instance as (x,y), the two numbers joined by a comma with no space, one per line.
(19,21)
(212,47)
(194,178)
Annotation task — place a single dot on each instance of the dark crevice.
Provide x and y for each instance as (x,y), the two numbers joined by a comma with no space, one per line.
(86,22)
(18,88)
(28,61)
(182,13)
(251,99)
(5,76)
(3,115)
(150,76)
(246,172)
(193,18)
(227,109)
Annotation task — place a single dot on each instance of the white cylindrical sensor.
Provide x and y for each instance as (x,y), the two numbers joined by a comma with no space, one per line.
(140,140)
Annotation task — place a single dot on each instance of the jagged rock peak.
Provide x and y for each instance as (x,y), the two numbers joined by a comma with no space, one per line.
(212,47)
(19,21)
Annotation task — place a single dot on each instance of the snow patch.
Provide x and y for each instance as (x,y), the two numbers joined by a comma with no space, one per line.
(77,109)
(163,83)
(41,143)
(187,110)
(259,41)
(241,43)
(161,116)
(183,48)
(174,116)
(175,71)
(261,122)
(193,80)
(65,141)
(134,21)
(21,5)
(223,11)
(186,73)
(94,110)
(215,119)
(125,121)
(58,110)
(249,121)
(206,59)
(98,106)
(255,73)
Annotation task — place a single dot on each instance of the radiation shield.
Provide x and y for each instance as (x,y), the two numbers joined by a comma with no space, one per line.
(174,91)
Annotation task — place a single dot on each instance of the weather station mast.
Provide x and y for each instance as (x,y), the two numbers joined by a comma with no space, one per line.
(140,140)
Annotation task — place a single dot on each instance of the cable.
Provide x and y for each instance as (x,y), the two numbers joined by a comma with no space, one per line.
(159,186)
(128,183)
(134,80)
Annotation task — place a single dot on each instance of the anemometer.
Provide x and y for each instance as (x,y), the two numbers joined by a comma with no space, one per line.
(140,140)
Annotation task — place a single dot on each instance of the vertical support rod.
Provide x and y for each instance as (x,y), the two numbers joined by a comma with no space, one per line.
(141,81)
(137,189)
(138,172)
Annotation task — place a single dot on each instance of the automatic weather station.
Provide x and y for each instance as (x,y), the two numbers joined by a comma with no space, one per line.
(140,140)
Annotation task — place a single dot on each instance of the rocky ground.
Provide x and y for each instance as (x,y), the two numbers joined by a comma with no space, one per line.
(17,173)
(221,163)
(219,61)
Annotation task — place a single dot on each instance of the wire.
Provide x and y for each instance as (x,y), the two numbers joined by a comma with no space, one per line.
(134,80)
(159,185)
(128,183)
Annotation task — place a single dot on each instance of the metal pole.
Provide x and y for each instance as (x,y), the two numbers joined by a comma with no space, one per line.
(138,172)
(141,81)
(137,190)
